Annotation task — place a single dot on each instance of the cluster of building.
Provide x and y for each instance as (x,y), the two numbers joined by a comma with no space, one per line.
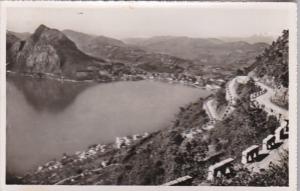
(128,140)
(190,133)
(91,152)
(92,74)
(79,156)
(49,166)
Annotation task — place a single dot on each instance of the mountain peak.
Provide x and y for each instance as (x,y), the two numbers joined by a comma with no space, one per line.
(42,28)
(37,33)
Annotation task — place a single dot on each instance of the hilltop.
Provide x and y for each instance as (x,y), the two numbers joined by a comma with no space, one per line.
(49,51)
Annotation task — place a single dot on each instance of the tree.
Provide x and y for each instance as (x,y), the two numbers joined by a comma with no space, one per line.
(272,123)
(239,72)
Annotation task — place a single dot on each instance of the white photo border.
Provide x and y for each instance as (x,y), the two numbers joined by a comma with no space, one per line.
(290,6)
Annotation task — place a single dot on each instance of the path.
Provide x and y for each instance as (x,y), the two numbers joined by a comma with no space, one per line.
(211,112)
(231,97)
(265,100)
(231,94)
(274,155)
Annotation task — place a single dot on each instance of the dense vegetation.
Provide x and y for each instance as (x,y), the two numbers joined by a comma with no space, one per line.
(273,63)
(244,127)
(220,97)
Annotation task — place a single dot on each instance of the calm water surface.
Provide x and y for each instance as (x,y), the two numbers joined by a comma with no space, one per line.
(48,118)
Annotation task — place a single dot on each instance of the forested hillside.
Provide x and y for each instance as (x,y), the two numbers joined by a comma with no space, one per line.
(272,65)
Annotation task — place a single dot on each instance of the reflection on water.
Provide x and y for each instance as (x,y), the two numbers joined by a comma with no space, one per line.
(48,95)
(46,119)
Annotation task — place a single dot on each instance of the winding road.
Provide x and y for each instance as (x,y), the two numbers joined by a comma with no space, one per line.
(265,100)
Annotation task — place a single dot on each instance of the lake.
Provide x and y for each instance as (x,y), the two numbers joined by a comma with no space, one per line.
(46,118)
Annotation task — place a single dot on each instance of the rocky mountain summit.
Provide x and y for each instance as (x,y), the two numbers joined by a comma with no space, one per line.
(48,51)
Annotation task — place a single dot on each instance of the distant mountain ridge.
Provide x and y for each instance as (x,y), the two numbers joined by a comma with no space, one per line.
(116,50)
(251,39)
(210,50)
(20,35)
(164,53)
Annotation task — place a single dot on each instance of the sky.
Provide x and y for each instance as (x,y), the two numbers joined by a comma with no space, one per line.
(126,22)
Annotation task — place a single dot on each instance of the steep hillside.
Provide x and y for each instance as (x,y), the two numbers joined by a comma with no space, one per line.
(204,51)
(272,65)
(272,68)
(115,50)
(49,51)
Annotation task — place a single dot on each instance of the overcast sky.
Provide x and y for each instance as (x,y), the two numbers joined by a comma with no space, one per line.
(145,22)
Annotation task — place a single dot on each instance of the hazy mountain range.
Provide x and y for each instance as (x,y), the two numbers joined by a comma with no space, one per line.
(116,50)
(67,52)
(206,51)
(251,39)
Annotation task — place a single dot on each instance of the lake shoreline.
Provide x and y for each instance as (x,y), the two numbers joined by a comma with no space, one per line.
(120,143)
(116,86)
(101,155)
(138,78)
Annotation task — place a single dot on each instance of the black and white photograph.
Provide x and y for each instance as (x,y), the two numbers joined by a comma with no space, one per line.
(149,94)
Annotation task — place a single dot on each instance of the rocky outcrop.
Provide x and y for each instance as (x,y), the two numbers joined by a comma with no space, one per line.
(49,51)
